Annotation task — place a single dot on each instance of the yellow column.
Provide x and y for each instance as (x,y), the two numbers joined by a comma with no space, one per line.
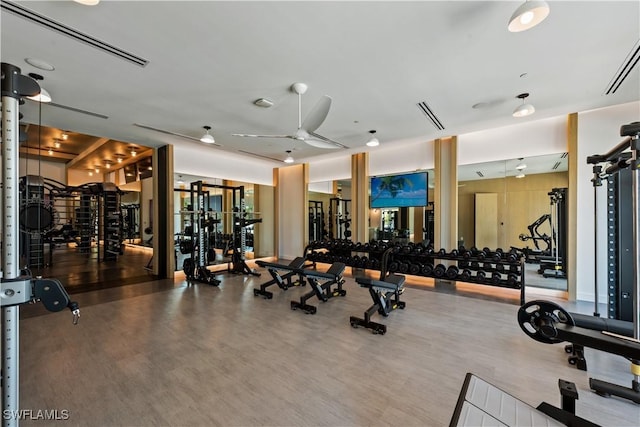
(446,193)
(291,210)
(360,197)
(572,223)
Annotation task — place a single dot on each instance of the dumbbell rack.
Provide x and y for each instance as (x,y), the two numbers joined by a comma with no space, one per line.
(484,267)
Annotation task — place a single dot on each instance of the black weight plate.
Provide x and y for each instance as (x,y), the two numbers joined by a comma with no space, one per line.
(538,319)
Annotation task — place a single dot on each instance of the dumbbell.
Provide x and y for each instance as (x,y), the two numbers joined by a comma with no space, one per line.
(495,278)
(453,253)
(512,279)
(442,252)
(500,268)
(465,276)
(463,263)
(497,255)
(512,256)
(475,265)
(393,266)
(481,254)
(452,272)
(375,264)
(481,275)
(405,249)
(513,268)
(414,269)
(427,269)
(403,267)
(439,270)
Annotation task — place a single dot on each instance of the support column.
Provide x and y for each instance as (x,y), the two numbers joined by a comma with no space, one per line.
(572,205)
(446,193)
(163,242)
(360,197)
(264,238)
(291,210)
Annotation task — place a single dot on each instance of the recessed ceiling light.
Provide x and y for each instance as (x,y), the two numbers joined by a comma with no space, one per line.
(88,2)
(263,102)
(39,63)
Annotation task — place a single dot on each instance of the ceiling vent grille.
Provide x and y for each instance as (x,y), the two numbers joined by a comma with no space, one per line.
(76,110)
(480,174)
(168,132)
(260,155)
(49,23)
(625,69)
(556,166)
(424,107)
(564,155)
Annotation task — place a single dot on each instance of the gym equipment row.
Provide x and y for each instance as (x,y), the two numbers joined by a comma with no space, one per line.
(201,237)
(18,287)
(549,323)
(481,266)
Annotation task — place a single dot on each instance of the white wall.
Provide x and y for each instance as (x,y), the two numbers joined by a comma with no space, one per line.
(401,157)
(536,138)
(194,159)
(598,132)
(330,169)
(321,187)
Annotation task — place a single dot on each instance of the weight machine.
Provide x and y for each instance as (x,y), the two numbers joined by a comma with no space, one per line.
(339,218)
(316,221)
(204,224)
(549,323)
(17,286)
(555,264)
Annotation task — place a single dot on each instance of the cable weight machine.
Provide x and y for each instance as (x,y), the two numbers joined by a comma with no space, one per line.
(17,286)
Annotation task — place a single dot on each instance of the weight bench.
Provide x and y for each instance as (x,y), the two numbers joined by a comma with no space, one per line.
(483,404)
(284,281)
(323,290)
(386,298)
(594,323)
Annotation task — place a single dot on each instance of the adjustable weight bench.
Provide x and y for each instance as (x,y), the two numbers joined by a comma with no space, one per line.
(594,323)
(284,281)
(323,290)
(483,404)
(386,298)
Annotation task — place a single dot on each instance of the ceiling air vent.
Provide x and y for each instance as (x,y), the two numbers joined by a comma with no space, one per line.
(480,174)
(76,110)
(625,69)
(424,107)
(556,166)
(564,155)
(168,132)
(260,155)
(49,23)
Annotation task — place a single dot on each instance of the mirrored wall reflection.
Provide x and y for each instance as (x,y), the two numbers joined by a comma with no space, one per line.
(519,203)
(224,214)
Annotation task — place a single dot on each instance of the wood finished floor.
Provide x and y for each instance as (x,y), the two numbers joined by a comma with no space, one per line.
(195,355)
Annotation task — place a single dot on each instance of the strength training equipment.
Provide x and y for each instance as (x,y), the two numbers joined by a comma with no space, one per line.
(483,404)
(385,294)
(17,286)
(322,290)
(284,281)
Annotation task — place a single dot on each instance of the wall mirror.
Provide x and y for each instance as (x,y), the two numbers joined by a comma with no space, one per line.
(518,203)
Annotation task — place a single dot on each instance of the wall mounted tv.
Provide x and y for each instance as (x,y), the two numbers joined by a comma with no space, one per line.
(400,190)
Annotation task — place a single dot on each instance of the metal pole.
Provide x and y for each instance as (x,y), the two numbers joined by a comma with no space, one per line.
(10,245)
(596,313)
(635,164)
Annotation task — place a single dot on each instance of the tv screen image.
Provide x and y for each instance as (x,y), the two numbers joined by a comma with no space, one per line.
(401,190)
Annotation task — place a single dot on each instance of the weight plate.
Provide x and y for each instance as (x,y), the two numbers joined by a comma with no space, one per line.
(538,319)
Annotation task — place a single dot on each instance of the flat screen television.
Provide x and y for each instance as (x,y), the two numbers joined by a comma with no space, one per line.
(400,190)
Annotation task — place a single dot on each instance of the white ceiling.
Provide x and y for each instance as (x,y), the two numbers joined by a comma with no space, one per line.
(208,61)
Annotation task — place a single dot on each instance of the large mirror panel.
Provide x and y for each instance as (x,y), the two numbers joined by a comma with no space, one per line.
(518,203)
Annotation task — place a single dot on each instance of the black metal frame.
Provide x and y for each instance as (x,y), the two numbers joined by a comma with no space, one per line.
(322,290)
(284,281)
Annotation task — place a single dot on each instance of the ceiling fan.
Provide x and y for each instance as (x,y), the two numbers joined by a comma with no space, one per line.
(306,130)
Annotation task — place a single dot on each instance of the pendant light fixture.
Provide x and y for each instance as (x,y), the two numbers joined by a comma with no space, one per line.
(207,137)
(373,141)
(524,109)
(289,159)
(43,96)
(521,165)
(528,15)
(87,2)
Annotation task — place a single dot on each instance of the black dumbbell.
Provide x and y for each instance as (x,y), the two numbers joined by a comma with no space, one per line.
(427,269)
(394,266)
(497,255)
(463,263)
(512,256)
(414,269)
(487,266)
(452,272)
(495,278)
(403,267)
(512,279)
(481,275)
(454,253)
(500,268)
(513,268)
(442,252)
(439,270)
(465,276)
(475,265)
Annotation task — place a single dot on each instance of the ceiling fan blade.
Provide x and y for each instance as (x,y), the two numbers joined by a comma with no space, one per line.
(262,136)
(320,141)
(317,115)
